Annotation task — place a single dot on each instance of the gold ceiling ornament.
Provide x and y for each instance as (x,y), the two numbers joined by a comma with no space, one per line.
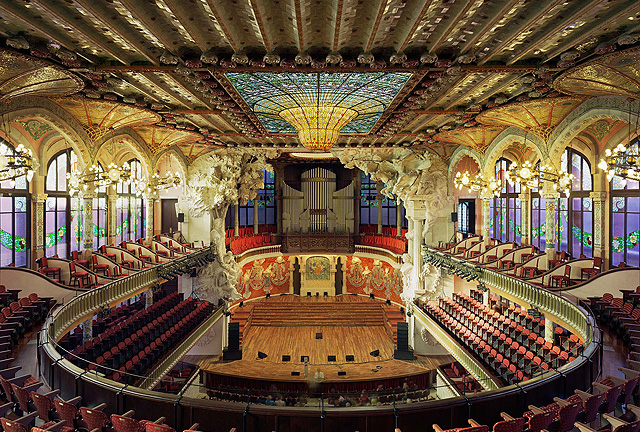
(21,75)
(530,177)
(478,183)
(475,138)
(538,116)
(95,178)
(107,114)
(95,133)
(617,74)
(318,126)
(17,163)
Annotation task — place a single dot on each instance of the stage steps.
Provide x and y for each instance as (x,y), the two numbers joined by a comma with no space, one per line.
(296,313)
(394,316)
(241,316)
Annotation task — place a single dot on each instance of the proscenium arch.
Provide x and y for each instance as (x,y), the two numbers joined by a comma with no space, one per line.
(504,140)
(594,109)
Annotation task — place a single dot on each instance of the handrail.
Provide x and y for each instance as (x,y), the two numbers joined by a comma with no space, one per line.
(569,313)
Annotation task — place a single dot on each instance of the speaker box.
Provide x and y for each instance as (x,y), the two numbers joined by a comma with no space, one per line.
(318,335)
(233,350)
(295,373)
(331,358)
(262,355)
(350,358)
(402,351)
(180,217)
(286,358)
(454,216)
(341,373)
(304,358)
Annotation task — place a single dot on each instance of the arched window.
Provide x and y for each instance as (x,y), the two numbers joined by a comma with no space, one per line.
(504,211)
(15,217)
(63,214)
(267,200)
(130,209)
(538,218)
(625,218)
(575,214)
(100,215)
(368,200)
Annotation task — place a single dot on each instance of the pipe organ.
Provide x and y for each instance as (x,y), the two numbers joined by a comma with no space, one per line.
(318,207)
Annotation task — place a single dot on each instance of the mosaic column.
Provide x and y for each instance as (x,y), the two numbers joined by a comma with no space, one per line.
(112,216)
(236,220)
(550,222)
(148,299)
(39,200)
(486,216)
(149,202)
(525,218)
(599,237)
(87,218)
(548,329)
(379,187)
(87,330)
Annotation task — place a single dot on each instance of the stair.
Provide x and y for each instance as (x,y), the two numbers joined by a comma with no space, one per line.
(241,316)
(393,316)
(291,314)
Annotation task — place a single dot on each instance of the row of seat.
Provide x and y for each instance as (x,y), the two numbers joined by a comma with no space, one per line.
(389,231)
(240,244)
(396,245)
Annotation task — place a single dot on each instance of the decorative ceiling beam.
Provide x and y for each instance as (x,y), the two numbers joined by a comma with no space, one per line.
(223,26)
(434,111)
(415,25)
(87,35)
(583,36)
(489,25)
(443,36)
(532,19)
(376,24)
(336,30)
(196,111)
(263,31)
(148,23)
(470,91)
(299,25)
(193,33)
(89,7)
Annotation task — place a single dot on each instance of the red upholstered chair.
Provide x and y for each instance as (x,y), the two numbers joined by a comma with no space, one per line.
(590,272)
(564,279)
(49,271)
(75,257)
(482,428)
(104,268)
(77,275)
(540,421)
(125,263)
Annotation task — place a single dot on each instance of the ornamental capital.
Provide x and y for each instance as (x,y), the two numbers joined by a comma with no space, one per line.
(598,195)
(550,195)
(39,198)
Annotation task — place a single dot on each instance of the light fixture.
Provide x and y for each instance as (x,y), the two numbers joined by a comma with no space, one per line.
(96,178)
(530,177)
(157,183)
(623,160)
(491,186)
(17,164)
(318,125)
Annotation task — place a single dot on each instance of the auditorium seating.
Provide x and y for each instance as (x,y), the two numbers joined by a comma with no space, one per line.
(396,245)
(238,245)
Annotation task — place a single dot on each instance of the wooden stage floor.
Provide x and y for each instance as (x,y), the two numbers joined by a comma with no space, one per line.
(337,340)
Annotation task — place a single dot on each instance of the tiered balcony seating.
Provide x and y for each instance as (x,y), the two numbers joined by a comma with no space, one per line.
(397,245)
(241,244)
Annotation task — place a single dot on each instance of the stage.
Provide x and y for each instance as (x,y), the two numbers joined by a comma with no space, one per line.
(345,327)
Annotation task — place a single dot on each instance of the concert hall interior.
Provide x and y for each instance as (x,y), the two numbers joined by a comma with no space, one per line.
(319,215)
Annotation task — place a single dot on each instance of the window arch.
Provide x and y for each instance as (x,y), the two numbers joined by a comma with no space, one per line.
(63,213)
(505,210)
(15,216)
(130,208)
(575,213)
(625,218)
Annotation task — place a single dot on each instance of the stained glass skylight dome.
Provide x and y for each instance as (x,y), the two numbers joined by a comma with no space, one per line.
(318,106)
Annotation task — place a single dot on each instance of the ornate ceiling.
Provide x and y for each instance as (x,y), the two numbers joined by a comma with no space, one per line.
(171,64)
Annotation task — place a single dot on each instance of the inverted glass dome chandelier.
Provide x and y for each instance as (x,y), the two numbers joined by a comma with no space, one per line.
(318,126)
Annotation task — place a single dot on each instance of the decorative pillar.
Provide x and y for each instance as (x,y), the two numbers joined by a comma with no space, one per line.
(39,200)
(550,221)
(255,215)
(525,218)
(356,201)
(398,218)
(410,233)
(148,299)
(149,217)
(486,216)
(416,212)
(87,220)
(87,330)
(279,174)
(236,220)
(548,329)
(599,199)
(379,196)
(112,215)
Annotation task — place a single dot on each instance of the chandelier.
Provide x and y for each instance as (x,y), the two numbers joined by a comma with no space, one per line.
(491,186)
(96,178)
(621,162)
(16,165)
(157,183)
(530,177)
(318,126)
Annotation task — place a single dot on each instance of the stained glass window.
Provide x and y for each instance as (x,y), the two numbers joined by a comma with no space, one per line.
(269,93)
(267,200)
(63,214)
(130,209)
(538,218)
(368,200)
(625,218)
(575,214)
(505,210)
(100,216)
(14,217)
